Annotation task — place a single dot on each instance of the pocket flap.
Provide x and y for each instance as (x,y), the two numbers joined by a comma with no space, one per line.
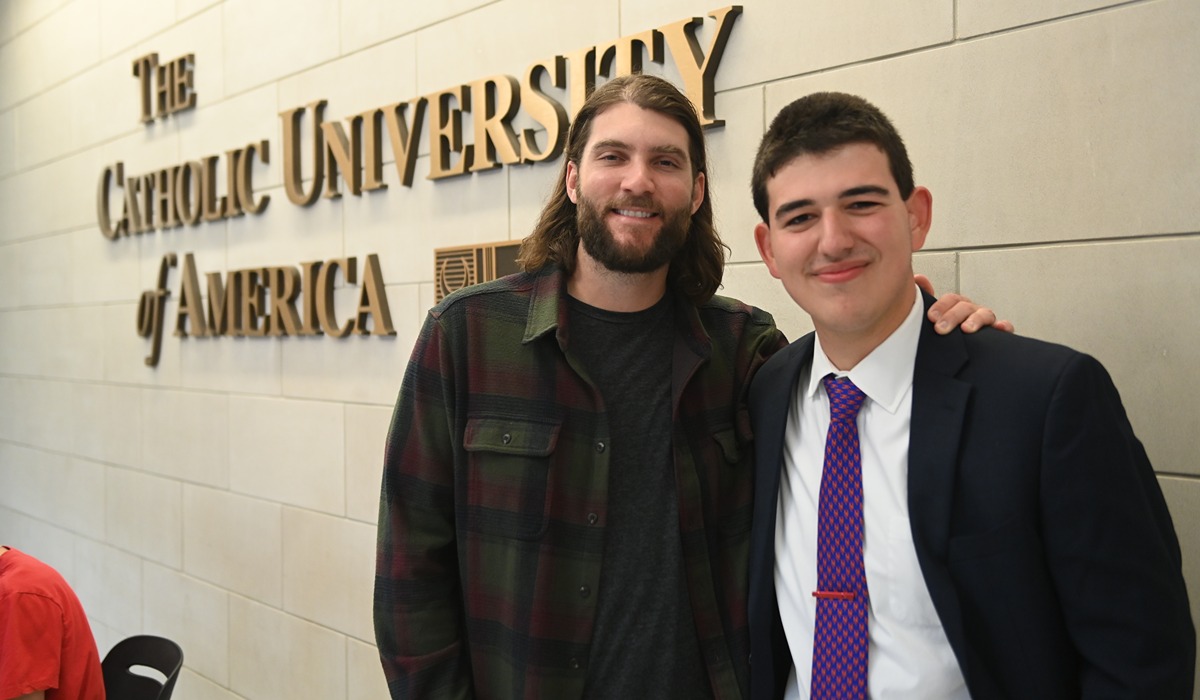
(512,436)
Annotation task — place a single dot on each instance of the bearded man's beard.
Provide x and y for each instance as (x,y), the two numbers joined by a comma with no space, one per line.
(599,242)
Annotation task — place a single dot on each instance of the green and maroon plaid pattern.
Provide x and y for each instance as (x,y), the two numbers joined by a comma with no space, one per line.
(494,495)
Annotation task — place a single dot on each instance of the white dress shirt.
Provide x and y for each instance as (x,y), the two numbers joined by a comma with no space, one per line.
(908,656)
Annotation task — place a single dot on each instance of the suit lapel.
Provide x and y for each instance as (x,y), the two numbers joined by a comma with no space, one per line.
(771,398)
(771,424)
(938,410)
(779,387)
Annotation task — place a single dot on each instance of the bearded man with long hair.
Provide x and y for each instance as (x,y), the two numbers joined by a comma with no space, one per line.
(697,258)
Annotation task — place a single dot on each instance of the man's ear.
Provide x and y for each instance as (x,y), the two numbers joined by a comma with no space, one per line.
(762,239)
(698,191)
(920,215)
(572,181)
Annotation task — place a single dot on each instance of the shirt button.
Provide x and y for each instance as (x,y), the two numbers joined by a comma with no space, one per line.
(593,518)
(584,591)
(600,446)
(574,664)
(506,438)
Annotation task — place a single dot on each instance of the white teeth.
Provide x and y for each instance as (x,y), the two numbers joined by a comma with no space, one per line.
(635,214)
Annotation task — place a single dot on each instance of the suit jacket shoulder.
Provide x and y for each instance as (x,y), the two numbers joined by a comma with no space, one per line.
(1042,533)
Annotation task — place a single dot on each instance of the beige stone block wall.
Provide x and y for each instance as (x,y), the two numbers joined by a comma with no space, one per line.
(227,497)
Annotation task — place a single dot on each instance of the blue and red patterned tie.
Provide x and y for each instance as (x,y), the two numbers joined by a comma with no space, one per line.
(839,666)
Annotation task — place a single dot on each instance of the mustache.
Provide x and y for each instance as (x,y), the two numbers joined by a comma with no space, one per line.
(639,202)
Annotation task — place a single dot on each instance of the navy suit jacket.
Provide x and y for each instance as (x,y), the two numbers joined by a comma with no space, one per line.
(1039,525)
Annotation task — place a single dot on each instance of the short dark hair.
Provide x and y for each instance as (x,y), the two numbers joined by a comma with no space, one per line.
(697,269)
(820,123)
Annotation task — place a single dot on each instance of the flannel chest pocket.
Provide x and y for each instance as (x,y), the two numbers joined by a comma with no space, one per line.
(508,475)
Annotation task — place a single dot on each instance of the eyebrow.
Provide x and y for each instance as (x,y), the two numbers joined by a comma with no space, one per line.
(666,149)
(788,207)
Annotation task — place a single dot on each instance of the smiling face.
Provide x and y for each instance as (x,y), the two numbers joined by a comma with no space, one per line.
(635,189)
(841,239)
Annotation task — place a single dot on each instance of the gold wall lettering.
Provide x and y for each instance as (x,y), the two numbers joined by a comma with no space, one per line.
(346,155)
(486,108)
(165,88)
(266,302)
(179,195)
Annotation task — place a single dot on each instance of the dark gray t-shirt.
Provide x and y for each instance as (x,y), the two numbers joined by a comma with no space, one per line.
(644,643)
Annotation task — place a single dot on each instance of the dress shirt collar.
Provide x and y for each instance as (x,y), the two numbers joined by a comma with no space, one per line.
(886,373)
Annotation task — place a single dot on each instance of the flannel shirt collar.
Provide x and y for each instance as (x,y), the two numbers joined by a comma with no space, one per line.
(546,303)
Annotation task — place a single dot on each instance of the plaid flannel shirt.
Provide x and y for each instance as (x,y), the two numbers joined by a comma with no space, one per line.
(495,487)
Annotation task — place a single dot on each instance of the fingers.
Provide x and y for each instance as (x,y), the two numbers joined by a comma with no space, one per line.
(942,314)
(956,311)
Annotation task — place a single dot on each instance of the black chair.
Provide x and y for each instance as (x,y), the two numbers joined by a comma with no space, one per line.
(162,655)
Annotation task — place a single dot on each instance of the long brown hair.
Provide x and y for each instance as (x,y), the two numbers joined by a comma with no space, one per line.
(696,270)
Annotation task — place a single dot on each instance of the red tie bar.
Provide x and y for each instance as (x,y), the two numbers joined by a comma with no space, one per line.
(834,595)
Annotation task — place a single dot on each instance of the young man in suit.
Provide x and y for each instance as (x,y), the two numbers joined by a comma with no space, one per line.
(977,519)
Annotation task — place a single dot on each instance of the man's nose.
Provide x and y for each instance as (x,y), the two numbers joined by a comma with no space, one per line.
(835,235)
(639,178)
